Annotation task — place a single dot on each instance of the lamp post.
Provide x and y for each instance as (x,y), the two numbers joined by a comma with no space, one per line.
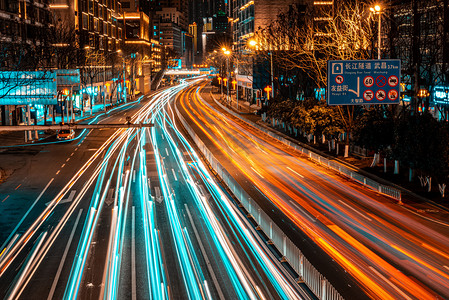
(104,76)
(253,43)
(227,53)
(377,10)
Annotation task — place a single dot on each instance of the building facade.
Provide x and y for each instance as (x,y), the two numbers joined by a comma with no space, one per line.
(96,22)
(247,17)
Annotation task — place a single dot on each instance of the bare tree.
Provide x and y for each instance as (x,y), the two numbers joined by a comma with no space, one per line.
(90,70)
(298,41)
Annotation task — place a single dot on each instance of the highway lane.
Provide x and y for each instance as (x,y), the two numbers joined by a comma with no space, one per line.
(64,159)
(391,252)
(178,155)
(105,231)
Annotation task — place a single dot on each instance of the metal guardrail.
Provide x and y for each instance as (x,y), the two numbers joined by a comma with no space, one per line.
(316,282)
(334,165)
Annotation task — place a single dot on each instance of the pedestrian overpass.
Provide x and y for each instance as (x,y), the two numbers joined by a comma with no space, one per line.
(187,72)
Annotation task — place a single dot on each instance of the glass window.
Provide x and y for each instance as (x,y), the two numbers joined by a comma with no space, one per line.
(85,21)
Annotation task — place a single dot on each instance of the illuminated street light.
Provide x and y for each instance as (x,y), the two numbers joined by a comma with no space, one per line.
(377,10)
(227,53)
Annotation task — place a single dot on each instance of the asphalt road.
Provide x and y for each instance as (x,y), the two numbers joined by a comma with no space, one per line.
(364,243)
(128,214)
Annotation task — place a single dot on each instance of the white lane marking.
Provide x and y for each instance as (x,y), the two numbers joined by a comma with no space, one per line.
(303,211)
(92,149)
(64,256)
(446,267)
(76,149)
(26,214)
(133,255)
(203,251)
(72,153)
(134,175)
(295,172)
(174,174)
(163,137)
(390,283)
(70,198)
(355,210)
(58,172)
(166,151)
(257,172)
(67,159)
(62,166)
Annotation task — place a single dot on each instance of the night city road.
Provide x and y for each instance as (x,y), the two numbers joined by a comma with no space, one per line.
(391,252)
(130,214)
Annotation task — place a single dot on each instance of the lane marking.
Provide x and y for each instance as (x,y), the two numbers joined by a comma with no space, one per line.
(295,172)
(355,210)
(70,198)
(58,172)
(133,255)
(446,267)
(166,151)
(390,283)
(303,211)
(18,186)
(26,214)
(206,258)
(64,256)
(5,198)
(72,153)
(134,175)
(67,159)
(174,174)
(62,166)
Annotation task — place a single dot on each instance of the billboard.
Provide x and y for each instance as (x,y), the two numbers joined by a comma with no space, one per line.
(28,87)
(363,82)
(440,95)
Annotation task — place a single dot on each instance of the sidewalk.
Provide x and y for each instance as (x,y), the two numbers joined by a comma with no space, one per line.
(414,202)
(241,107)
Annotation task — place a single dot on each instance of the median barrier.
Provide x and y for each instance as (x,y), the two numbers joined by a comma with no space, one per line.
(308,274)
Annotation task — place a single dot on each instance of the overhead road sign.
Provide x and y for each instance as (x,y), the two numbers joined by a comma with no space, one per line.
(363,82)
(73,126)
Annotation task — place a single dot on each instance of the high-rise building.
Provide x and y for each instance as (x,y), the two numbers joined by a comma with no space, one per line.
(95,21)
(248,16)
(24,21)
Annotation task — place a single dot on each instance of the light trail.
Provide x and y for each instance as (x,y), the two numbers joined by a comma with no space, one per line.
(241,280)
(287,177)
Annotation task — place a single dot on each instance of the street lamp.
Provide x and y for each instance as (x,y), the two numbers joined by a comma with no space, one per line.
(377,10)
(254,43)
(133,56)
(227,53)
(104,76)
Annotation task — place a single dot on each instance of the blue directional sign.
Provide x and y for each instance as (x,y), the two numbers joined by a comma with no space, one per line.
(363,82)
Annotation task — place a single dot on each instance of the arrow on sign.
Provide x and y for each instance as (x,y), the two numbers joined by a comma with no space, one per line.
(358,88)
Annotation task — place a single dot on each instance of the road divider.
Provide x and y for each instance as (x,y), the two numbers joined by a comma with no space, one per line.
(316,282)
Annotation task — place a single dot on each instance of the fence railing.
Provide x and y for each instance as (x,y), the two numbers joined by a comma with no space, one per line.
(316,282)
(332,164)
